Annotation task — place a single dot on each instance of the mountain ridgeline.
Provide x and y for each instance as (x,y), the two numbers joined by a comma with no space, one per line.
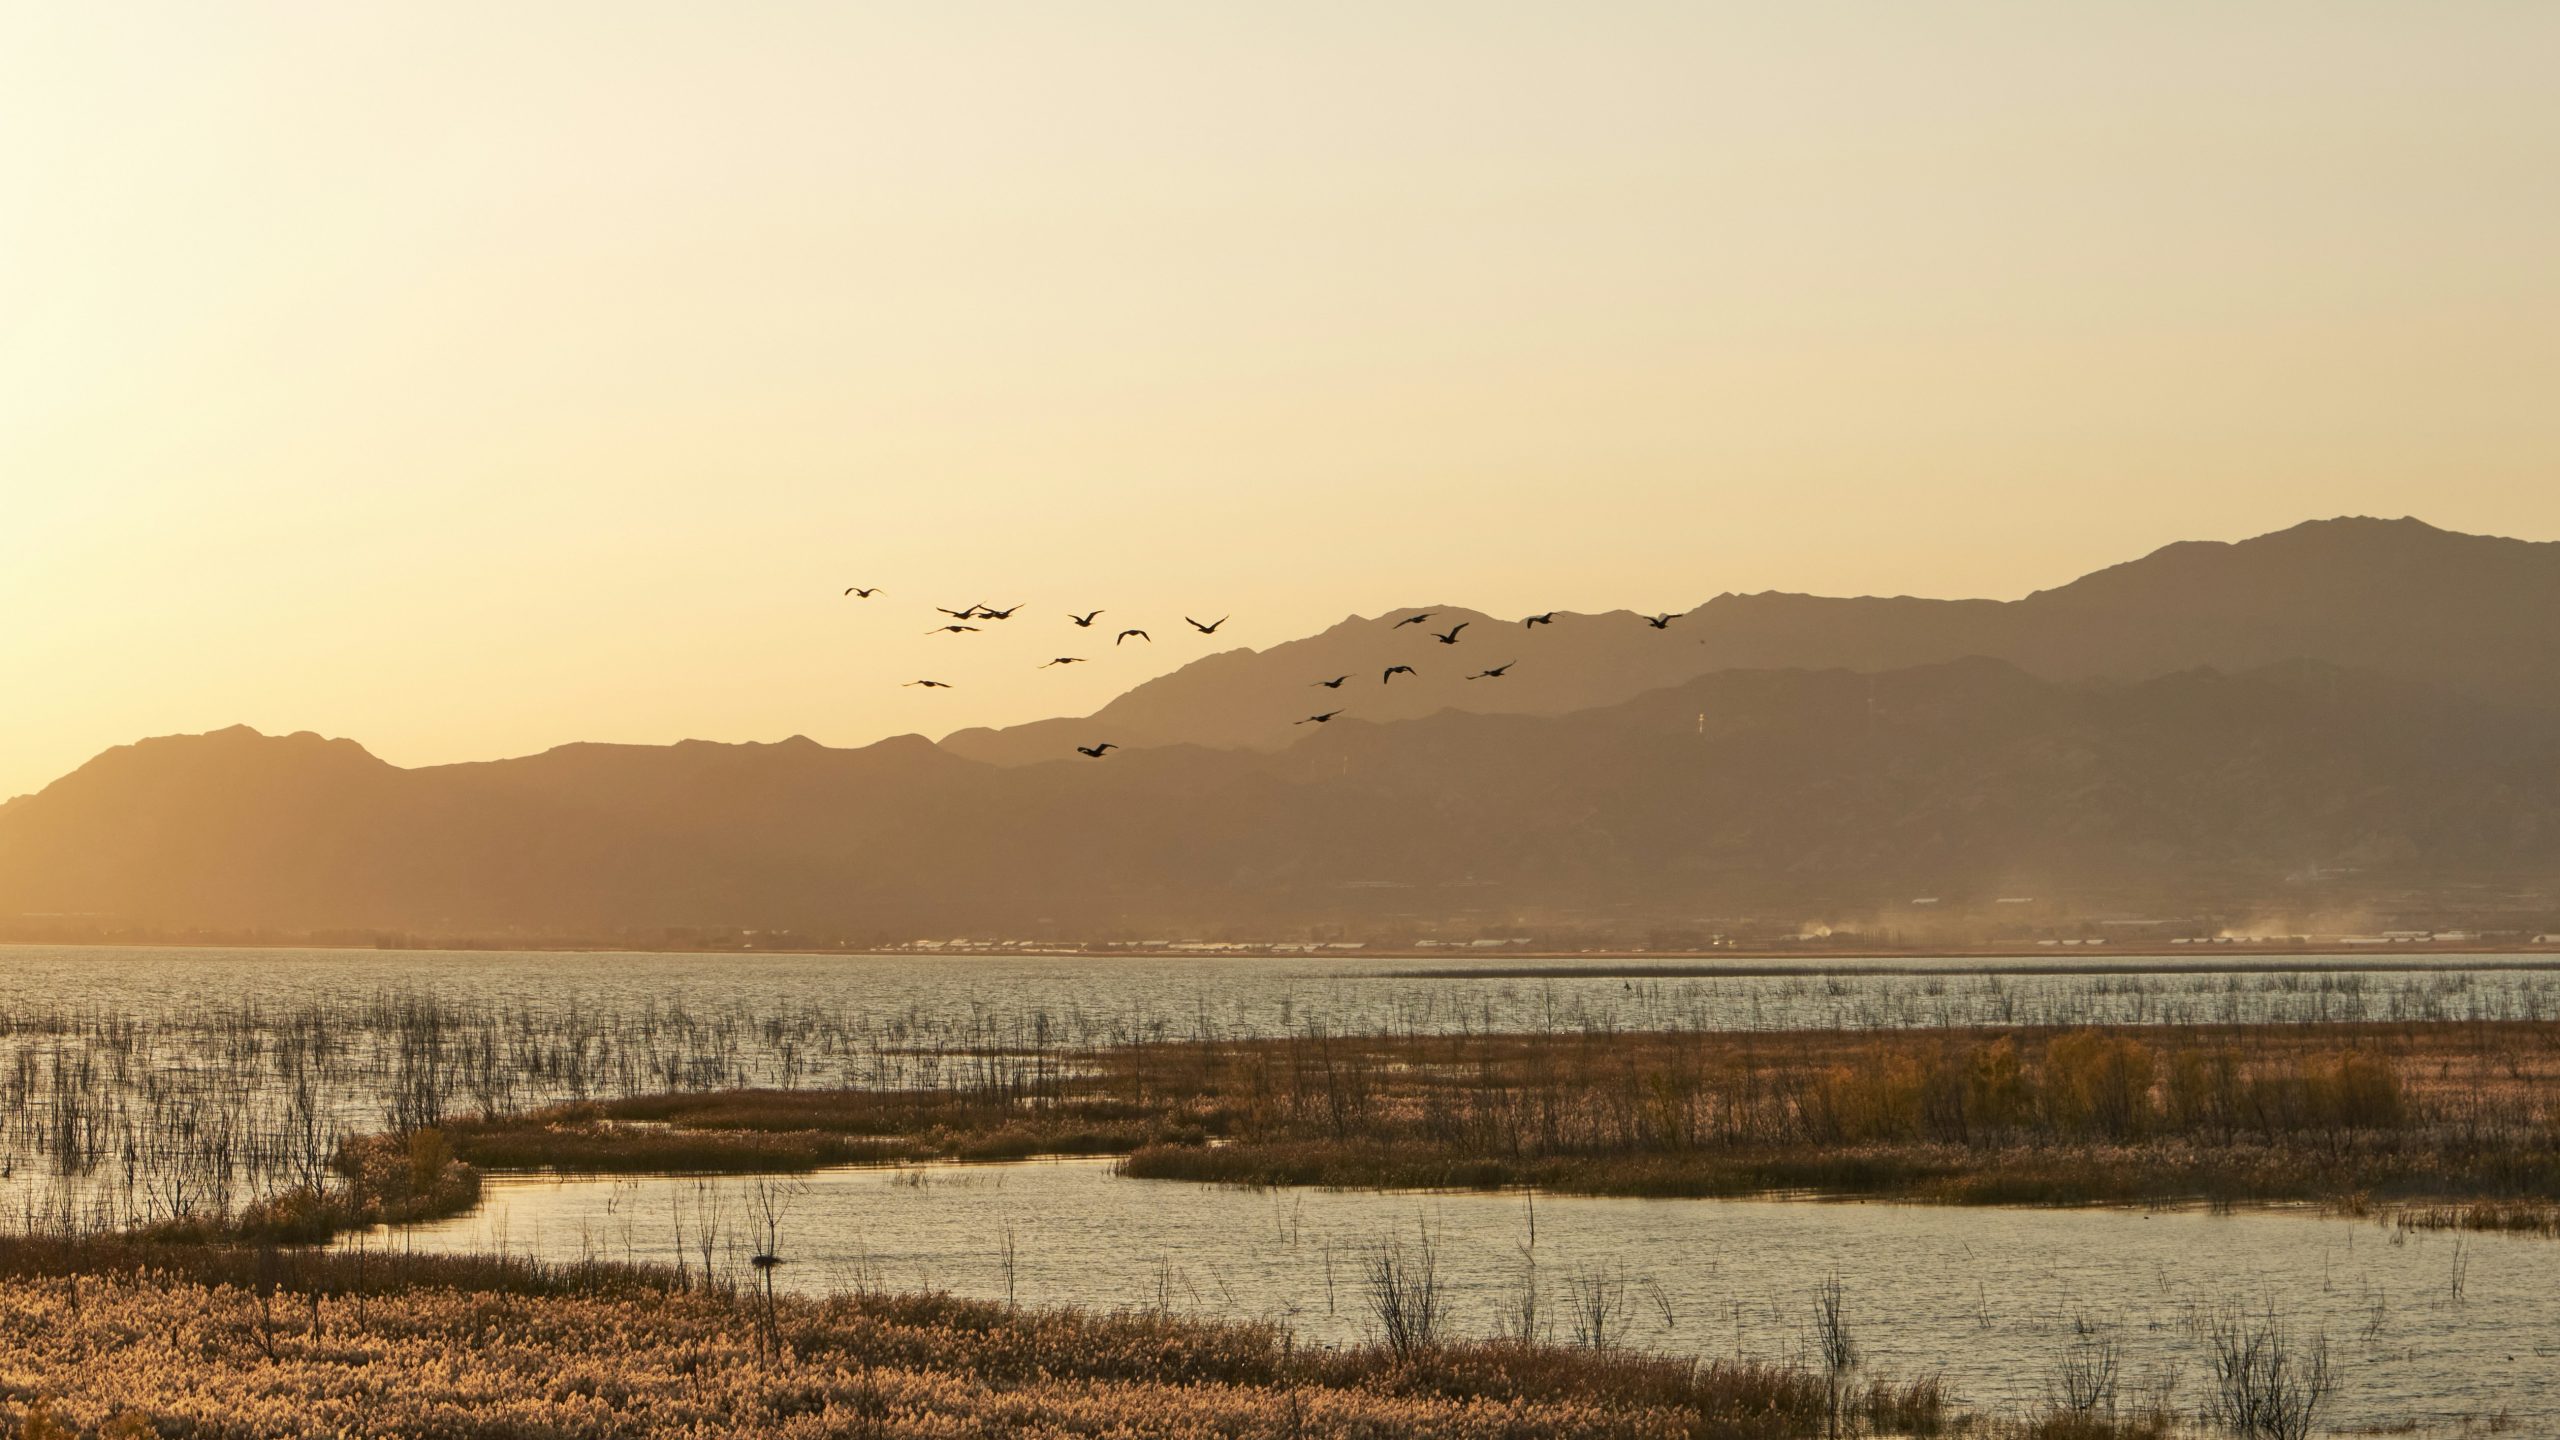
(2474,613)
(2226,727)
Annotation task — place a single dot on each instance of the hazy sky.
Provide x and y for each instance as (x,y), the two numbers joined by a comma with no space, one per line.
(468,378)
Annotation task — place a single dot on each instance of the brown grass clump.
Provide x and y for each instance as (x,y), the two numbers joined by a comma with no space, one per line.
(381,1180)
(2514,1217)
(748,1131)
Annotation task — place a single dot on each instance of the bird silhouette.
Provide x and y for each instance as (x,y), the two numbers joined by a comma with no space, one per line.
(1395,670)
(1064,660)
(928,684)
(1084,621)
(965,613)
(1333,684)
(989,612)
(1495,673)
(1095,751)
(1317,719)
(1451,637)
(952,630)
(1414,619)
(1210,629)
(1660,622)
(862,592)
(1547,619)
(1141,634)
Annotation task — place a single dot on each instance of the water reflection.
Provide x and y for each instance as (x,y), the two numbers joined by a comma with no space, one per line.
(1990,1298)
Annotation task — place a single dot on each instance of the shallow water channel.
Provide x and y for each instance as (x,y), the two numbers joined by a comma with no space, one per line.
(2427,1330)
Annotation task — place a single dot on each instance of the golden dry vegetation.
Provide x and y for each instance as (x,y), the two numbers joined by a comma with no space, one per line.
(2460,1120)
(131,1338)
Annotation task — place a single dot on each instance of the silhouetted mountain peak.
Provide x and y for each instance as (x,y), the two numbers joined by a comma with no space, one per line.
(234,749)
(1817,788)
(2400,598)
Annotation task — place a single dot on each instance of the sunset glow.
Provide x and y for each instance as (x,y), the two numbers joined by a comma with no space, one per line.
(570,359)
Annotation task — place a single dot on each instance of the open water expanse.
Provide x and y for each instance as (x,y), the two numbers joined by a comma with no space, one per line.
(139,1083)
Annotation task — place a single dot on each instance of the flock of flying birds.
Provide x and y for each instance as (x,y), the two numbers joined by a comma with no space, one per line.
(960,619)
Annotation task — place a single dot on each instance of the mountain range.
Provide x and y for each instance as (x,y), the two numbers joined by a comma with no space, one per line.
(2213,726)
(2397,597)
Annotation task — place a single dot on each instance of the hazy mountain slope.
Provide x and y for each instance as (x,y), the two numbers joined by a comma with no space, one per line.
(2479,614)
(1249,698)
(1740,789)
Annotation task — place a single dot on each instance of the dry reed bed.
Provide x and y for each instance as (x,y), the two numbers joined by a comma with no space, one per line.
(117,1113)
(120,1337)
(2466,1116)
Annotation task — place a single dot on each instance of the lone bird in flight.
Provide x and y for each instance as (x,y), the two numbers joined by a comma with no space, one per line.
(928,684)
(1317,719)
(862,592)
(1095,751)
(970,613)
(1084,621)
(1495,673)
(1451,638)
(1414,619)
(1547,619)
(1065,660)
(952,629)
(1210,629)
(1395,670)
(1660,622)
(989,612)
(1333,684)
(1141,634)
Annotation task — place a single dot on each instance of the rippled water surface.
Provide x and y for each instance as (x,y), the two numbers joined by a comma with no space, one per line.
(1988,1298)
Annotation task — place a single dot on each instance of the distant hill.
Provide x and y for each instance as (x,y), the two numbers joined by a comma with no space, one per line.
(1802,791)
(2479,615)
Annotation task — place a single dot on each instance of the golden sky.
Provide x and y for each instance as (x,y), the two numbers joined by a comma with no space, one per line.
(471,377)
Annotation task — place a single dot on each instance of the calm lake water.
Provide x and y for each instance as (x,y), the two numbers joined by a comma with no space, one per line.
(136,1083)
(1088,1000)
(1988,1298)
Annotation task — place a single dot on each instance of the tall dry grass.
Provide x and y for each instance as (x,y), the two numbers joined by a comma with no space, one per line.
(238,1343)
